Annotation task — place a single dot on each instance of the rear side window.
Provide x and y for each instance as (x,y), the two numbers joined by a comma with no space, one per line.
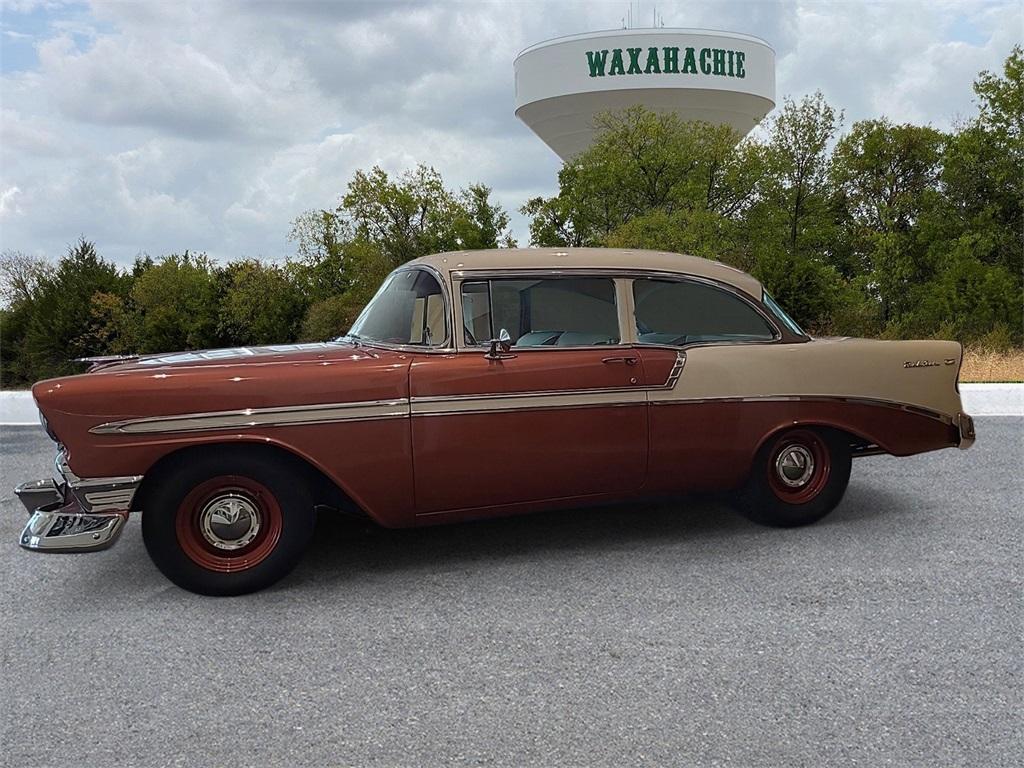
(550,312)
(683,312)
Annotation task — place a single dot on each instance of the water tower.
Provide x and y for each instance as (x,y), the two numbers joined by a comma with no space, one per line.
(718,77)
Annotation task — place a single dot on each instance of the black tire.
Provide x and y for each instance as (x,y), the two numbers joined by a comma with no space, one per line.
(768,497)
(196,507)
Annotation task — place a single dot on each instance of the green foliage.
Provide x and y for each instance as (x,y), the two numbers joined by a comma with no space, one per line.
(319,268)
(331,317)
(260,304)
(887,230)
(59,315)
(645,163)
(173,305)
(415,215)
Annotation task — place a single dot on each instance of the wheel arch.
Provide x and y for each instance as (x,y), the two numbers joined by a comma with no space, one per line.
(856,437)
(324,489)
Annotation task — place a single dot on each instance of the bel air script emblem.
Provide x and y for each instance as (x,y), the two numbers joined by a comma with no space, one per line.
(928,363)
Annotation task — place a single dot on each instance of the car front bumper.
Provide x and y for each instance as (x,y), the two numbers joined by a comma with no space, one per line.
(75,514)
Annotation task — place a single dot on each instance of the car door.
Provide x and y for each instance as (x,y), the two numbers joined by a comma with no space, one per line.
(697,439)
(562,414)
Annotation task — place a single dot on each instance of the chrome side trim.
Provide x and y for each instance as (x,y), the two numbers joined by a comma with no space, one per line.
(109,493)
(916,410)
(676,372)
(256,417)
(98,494)
(384,409)
(454,406)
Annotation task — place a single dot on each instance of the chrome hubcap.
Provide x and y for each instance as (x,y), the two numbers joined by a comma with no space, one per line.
(229,521)
(794,466)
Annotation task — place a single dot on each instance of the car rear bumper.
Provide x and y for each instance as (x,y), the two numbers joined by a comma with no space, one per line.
(75,514)
(965,430)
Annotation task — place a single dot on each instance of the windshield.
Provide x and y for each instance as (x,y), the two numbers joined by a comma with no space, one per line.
(408,309)
(780,313)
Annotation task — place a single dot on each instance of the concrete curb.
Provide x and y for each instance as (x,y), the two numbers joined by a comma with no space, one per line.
(993,399)
(18,408)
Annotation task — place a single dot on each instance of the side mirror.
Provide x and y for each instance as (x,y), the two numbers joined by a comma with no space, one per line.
(500,347)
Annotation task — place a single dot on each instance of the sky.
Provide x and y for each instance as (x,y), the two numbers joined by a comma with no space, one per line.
(155,127)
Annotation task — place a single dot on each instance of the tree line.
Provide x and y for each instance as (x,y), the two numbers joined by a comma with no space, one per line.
(887,230)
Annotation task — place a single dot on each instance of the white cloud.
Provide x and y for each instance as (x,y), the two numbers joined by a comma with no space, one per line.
(9,202)
(209,125)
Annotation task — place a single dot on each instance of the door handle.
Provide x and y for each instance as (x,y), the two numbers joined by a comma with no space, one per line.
(613,360)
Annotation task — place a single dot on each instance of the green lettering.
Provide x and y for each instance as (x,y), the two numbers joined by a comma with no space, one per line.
(690,63)
(718,55)
(634,61)
(705,67)
(616,68)
(740,55)
(653,65)
(671,61)
(732,56)
(596,60)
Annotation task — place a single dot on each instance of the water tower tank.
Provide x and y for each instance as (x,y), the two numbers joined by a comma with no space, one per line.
(718,77)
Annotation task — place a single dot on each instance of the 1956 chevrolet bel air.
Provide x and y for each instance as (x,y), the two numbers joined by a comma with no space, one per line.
(576,377)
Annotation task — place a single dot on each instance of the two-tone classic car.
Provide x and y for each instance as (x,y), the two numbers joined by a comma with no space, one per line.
(478,384)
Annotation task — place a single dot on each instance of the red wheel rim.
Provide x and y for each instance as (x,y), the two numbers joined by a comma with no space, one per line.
(228,524)
(799,465)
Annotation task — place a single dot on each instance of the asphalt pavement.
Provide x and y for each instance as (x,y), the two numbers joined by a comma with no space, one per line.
(891,633)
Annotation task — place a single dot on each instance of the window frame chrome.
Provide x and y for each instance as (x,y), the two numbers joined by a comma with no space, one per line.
(447,347)
(624,299)
(460,276)
(777,337)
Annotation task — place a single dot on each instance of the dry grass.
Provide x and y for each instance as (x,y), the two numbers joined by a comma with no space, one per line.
(988,365)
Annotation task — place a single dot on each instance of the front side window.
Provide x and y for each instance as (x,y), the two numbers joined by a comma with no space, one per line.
(683,312)
(541,312)
(408,309)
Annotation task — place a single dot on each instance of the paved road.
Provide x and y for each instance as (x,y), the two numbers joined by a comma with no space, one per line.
(889,634)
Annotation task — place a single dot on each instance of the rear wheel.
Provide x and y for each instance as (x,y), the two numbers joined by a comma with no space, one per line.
(798,477)
(227,525)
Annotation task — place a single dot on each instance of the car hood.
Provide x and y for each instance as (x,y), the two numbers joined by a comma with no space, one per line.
(225,356)
(229,379)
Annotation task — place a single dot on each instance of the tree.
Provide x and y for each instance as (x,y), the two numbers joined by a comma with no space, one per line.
(260,305)
(983,169)
(415,215)
(645,164)
(59,327)
(20,275)
(888,176)
(174,305)
(319,267)
(798,162)
(482,224)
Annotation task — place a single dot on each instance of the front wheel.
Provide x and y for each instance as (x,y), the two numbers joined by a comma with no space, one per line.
(227,525)
(798,477)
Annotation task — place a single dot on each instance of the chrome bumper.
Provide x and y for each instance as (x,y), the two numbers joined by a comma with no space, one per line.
(61,527)
(965,431)
(77,514)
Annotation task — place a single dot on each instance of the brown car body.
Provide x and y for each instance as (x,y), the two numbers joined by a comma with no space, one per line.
(411,435)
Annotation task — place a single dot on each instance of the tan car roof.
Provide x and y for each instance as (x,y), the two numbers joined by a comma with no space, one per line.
(591,258)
